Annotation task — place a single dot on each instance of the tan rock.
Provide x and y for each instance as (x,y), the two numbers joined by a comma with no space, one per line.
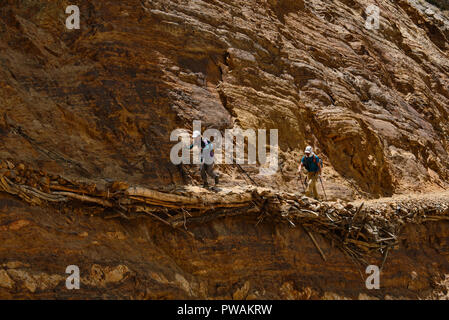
(19,224)
(103,275)
(15,264)
(116,235)
(5,280)
(26,279)
(242,293)
(116,274)
(364,296)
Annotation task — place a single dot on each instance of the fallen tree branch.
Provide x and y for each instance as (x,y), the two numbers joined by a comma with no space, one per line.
(84,198)
(315,243)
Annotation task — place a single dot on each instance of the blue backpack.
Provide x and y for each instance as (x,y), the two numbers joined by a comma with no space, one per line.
(313,163)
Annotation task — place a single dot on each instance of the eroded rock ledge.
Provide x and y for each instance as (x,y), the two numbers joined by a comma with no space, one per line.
(364,231)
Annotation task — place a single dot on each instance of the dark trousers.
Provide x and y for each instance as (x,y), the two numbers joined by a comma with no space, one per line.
(207,169)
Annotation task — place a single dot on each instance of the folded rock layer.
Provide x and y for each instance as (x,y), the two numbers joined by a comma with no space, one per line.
(86,117)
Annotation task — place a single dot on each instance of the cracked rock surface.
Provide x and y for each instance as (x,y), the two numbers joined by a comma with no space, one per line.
(86,113)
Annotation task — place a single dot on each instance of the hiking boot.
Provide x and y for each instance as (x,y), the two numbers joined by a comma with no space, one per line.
(205,185)
(216,180)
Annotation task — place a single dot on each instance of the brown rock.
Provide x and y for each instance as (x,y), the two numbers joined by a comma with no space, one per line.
(99,105)
(5,280)
(242,293)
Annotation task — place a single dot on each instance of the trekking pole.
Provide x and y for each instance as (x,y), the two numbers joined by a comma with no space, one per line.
(325,196)
(251,179)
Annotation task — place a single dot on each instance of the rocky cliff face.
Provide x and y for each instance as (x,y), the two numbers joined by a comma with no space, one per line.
(98,104)
(102,101)
(256,245)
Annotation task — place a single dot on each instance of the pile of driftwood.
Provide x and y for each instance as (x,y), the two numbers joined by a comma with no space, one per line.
(360,231)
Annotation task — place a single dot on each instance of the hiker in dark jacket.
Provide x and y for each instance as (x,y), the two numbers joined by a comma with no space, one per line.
(207,157)
(313,165)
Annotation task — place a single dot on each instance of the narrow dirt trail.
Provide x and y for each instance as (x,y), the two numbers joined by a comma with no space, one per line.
(410,198)
(261,235)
